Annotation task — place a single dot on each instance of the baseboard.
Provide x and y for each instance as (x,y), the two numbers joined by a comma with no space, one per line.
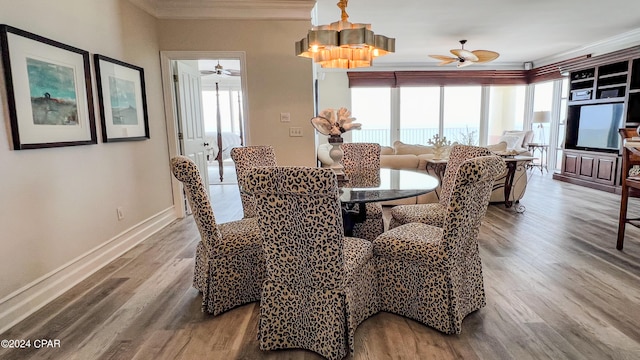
(23,302)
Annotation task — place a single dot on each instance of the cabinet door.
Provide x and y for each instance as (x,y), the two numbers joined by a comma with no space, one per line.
(606,170)
(570,162)
(587,166)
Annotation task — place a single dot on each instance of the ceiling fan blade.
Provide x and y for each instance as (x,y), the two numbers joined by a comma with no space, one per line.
(233,72)
(462,64)
(465,54)
(444,58)
(485,55)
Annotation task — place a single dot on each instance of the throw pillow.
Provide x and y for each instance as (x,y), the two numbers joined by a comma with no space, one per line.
(521,135)
(406,149)
(513,141)
(501,146)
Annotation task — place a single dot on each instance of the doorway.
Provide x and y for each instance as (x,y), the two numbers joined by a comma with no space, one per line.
(206,110)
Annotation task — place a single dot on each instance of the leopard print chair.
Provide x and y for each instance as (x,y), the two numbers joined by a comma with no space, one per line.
(434,274)
(244,159)
(361,162)
(319,285)
(433,213)
(229,265)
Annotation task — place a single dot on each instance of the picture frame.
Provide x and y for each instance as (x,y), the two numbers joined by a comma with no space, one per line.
(122,99)
(49,92)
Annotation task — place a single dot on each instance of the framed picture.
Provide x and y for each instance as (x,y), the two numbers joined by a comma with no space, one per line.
(48,91)
(122,99)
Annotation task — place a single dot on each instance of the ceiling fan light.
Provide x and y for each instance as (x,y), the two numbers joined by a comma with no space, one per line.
(464,54)
(462,64)
(465,57)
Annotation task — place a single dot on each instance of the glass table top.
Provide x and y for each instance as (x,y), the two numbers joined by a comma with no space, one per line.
(390,184)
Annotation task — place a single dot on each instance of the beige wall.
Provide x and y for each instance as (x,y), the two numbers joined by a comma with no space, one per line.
(277,80)
(57,204)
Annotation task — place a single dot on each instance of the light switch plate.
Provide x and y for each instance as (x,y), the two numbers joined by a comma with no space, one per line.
(295,131)
(285,117)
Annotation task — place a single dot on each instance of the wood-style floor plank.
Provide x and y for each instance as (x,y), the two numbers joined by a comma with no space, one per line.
(556,289)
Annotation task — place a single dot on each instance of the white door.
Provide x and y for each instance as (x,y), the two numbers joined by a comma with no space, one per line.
(190,119)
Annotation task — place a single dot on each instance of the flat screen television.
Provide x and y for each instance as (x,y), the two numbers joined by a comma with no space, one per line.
(594,127)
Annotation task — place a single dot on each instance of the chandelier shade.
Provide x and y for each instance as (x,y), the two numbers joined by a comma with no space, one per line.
(344,45)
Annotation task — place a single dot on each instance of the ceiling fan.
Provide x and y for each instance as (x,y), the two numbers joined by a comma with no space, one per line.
(220,71)
(465,57)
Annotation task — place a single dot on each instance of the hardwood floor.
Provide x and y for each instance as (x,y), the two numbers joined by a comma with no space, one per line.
(556,289)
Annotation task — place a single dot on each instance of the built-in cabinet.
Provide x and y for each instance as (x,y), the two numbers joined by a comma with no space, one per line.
(602,99)
(589,168)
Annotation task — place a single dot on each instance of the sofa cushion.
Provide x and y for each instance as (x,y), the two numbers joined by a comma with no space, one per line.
(399,161)
(387,150)
(408,149)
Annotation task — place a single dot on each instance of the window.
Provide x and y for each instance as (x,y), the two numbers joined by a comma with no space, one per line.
(414,114)
(230,103)
(506,110)
(542,101)
(419,114)
(559,145)
(372,108)
(462,109)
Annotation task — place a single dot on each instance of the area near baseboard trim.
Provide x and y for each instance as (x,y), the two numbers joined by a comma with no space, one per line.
(31,297)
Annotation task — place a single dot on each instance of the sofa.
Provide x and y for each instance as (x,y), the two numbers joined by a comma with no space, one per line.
(414,157)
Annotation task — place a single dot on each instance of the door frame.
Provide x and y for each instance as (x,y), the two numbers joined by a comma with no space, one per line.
(170,106)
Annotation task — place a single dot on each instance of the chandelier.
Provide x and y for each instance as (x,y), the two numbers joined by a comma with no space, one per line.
(344,45)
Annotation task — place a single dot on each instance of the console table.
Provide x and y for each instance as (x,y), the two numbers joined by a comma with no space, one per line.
(513,162)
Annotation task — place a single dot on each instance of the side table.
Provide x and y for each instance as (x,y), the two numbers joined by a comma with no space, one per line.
(438,168)
(544,153)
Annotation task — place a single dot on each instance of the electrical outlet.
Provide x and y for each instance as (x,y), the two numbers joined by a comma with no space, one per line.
(295,131)
(120,212)
(285,117)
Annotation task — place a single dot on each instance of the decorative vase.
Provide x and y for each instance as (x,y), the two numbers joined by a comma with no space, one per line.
(336,155)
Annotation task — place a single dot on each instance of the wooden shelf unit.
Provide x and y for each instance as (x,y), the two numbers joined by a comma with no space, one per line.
(616,83)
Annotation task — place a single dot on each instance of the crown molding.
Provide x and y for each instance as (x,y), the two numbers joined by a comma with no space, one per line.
(604,46)
(228,9)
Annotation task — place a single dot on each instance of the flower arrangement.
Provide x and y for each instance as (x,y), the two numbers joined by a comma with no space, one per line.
(334,123)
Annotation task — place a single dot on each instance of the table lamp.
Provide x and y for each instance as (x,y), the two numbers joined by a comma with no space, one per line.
(541,117)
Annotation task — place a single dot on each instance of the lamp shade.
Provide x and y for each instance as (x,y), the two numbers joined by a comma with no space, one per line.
(541,117)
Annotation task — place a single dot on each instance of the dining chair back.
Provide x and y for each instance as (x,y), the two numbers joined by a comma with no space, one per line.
(245,158)
(229,264)
(319,285)
(361,162)
(434,274)
(433,213)
(630,181)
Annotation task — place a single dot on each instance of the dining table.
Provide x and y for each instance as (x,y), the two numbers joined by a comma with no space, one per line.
(375,185)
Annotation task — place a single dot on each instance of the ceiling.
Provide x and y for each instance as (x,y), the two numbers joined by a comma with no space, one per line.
(542,31)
